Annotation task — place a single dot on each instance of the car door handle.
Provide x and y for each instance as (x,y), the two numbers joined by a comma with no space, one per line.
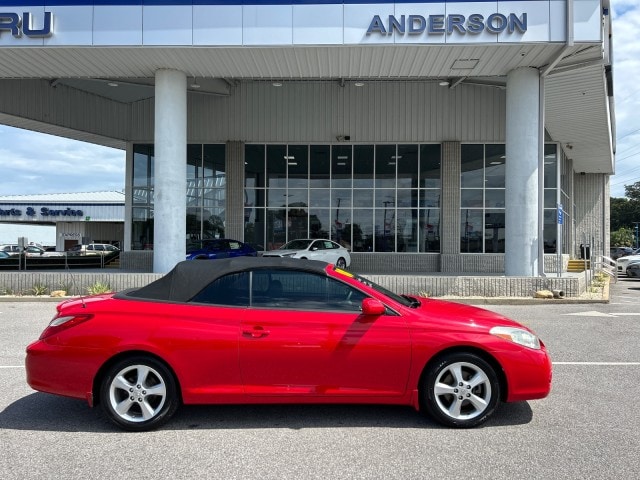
(255,332)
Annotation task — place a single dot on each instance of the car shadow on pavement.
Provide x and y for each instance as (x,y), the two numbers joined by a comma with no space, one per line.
(43,412)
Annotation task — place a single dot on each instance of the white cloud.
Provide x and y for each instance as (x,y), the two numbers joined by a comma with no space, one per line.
(38,163)
(626,78)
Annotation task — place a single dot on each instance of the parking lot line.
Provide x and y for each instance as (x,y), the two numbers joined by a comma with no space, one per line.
(606,364)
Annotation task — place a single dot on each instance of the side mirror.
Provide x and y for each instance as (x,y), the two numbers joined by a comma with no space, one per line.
(371,306)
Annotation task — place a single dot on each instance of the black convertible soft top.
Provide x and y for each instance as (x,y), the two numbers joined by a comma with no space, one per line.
(189,277)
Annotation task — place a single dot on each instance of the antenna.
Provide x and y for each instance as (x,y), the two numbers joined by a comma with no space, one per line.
(73,281)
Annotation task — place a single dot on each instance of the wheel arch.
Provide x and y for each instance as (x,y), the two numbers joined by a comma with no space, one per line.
(97,380)
(486,356)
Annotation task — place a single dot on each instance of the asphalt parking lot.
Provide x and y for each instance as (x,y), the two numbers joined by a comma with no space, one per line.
(587,428)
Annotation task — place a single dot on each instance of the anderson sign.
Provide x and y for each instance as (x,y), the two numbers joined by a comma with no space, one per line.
(293,22)
(447,24)
(410,24)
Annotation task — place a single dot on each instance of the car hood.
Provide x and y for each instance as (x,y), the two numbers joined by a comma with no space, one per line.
(196,252)
(629,258)
(281,253)
(467,317)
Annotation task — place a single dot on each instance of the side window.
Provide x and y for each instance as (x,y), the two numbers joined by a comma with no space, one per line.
(233,245)
(343,297)
(230,290)
(302,291)
(317,245)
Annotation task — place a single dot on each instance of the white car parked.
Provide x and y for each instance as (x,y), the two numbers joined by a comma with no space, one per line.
(314,249)
(623,262)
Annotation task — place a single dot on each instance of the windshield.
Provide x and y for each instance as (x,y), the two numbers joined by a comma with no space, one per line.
(196,245)
(296,245)
(193,246)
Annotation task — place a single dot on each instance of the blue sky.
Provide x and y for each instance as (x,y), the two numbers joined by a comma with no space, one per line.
(626,77)
(37,163)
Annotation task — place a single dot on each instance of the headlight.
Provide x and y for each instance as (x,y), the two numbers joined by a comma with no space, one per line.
(517,335)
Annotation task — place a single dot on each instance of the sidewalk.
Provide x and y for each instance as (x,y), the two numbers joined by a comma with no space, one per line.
(601,295)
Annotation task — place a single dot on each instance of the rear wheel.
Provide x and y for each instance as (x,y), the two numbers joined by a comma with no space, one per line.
(341,263)
(139,393)
(461,390)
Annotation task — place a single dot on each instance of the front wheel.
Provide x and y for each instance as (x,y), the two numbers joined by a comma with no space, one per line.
(461,390)
(139,394)
(341,263)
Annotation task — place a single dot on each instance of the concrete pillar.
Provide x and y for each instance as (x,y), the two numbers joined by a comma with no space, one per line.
(522,151)
(234,201)
(170,192)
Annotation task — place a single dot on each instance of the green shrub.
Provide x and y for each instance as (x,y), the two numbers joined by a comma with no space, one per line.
(98,288)
(39,289)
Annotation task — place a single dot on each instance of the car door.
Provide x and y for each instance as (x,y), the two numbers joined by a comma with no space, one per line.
(308,337)
(216,249)
(317,251)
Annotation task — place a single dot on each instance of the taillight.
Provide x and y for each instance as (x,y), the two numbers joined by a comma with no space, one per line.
(59,324)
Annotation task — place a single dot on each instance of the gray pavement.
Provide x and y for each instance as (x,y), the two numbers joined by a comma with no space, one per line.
(587,428)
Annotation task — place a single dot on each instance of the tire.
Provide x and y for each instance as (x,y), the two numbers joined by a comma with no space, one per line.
(461,390)
(139,394)
(341,263)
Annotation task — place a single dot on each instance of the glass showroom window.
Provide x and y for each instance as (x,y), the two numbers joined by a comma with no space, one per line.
(205,193)
(142,209)
(482,220)
(206,181)
(382,198)
(254,195)
(551,200)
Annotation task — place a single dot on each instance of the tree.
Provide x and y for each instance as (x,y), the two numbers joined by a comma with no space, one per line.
(626,211)
(623,237)
(632,192)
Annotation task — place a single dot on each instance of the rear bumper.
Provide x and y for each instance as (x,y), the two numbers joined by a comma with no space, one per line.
(61,371)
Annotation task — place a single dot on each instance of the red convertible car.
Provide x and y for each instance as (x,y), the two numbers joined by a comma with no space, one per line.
(277,330)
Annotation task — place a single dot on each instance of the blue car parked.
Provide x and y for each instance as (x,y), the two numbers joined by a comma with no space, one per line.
(218,248)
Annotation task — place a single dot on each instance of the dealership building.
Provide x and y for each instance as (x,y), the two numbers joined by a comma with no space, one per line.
(445,136)
(78,218)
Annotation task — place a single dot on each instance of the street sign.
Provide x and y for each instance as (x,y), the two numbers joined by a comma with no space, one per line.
(560,214)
